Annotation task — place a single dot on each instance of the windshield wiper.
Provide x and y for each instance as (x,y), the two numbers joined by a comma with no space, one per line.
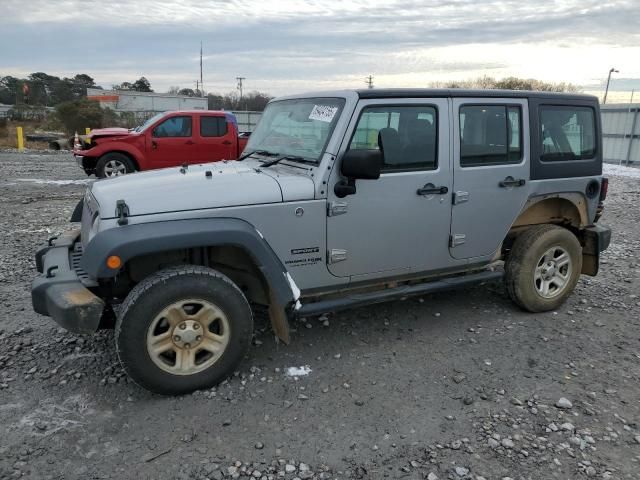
(284,157)
(264,153)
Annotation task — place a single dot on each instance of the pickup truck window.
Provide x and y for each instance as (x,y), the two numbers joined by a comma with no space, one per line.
(213,126)
(490,135)
(568,133)
(174,127)
(297,128)
(408,133)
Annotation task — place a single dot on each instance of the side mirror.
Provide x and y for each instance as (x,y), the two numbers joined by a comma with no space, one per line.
(358,164)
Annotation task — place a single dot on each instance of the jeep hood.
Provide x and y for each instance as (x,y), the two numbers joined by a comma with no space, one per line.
(199,187)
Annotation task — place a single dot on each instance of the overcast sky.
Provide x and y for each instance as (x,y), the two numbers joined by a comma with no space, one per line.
(290,46)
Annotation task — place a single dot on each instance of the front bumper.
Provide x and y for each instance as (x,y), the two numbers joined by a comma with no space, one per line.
(59,292)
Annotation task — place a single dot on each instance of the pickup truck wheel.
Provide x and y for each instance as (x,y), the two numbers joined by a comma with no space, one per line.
(183,329)
(113,165)
(543,267)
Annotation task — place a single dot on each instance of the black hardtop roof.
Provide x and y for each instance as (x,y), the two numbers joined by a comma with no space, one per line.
(462,92)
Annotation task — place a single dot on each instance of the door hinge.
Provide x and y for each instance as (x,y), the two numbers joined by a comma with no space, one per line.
(337,255)
(457,239)
(460,197)
(336,208)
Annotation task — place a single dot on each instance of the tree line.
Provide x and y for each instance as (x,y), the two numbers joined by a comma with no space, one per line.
(42,89)
(508,83)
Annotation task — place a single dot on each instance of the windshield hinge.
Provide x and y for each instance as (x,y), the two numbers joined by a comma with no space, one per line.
(122,212)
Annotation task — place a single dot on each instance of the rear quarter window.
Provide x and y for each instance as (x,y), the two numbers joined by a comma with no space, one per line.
(567,133)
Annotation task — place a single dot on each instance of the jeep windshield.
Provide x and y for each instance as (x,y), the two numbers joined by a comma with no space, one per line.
(296,129)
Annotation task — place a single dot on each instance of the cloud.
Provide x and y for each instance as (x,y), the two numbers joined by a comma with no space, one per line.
(297,44)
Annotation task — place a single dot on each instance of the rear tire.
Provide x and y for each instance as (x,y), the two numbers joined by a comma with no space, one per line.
(183,329)
(114,165)
(543,267)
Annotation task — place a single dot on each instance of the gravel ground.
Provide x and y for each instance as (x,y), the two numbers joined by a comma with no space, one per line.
(450,386)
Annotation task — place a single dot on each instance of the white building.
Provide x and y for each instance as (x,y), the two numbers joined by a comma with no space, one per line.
(143,102)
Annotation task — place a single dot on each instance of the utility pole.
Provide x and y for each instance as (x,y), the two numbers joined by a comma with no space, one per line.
(369,81)
(240,79)
(201,83)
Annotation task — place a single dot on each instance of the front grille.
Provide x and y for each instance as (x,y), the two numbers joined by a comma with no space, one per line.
(75,256)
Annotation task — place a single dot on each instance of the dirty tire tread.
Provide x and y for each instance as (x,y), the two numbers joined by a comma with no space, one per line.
(143,288)
(119,156)
(525,245)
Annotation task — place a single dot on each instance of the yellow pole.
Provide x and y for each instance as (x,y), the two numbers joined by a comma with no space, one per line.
(20,139)
(87,131)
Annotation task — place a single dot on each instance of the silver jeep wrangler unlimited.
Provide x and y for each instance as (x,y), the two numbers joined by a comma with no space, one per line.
(340,199)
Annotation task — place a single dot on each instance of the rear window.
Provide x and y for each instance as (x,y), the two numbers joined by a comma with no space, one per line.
(213,126)
(567,133)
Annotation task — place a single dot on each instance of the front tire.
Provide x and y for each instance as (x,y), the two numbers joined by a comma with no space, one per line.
(114,165)
(183,329)
(543,267)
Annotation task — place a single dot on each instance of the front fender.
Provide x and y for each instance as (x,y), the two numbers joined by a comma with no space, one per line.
(130,241)
(114,146)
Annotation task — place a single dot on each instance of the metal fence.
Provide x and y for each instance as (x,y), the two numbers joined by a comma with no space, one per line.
(247,120)
(621,133)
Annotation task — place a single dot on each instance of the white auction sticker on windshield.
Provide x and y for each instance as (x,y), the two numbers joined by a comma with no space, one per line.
(323,113)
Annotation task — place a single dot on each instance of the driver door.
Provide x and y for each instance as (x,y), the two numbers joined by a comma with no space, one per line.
(399,223)
(172,142)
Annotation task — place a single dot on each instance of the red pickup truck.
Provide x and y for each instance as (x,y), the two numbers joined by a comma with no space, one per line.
(165,140)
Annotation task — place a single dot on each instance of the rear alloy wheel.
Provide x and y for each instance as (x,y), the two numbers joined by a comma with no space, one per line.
(183,329)
(543,267)
(114,165)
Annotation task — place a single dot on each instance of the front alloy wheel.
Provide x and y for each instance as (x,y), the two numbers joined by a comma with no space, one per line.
(114,168)
(188,336)
(182,329)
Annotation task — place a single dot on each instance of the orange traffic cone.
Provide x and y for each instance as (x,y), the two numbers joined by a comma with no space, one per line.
(76,142)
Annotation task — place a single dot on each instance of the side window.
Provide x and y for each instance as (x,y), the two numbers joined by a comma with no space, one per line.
(174,127)
(213,126)
(409,136)
(490,135)
(567,133)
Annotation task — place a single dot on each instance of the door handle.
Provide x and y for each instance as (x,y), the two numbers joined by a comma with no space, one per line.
(190,142)
(226,142)
(512,182)
(431,189)
(154,145)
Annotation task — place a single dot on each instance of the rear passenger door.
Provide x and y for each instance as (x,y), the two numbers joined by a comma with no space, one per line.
(217,141)
(491,172)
